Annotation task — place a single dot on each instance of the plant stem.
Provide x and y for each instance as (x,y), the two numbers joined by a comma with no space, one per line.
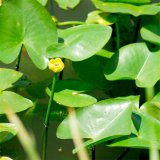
(149,93)
(121,156)
(94,153)
(70,23)
(18,60)
(46,122)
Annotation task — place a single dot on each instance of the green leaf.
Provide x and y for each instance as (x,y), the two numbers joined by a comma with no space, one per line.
(129,1)
(69,93)
(5,158)
(43,2)
(8,78)
(29,25)
(148,134)
(151,33)
(7,131)
(111,7)
(14,102)
(135,61)
(81,42)
(102,120)
(65,4)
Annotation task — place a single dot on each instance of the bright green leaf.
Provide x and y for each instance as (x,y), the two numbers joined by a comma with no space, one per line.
(7,131)
(8,78)
(102,120)
(43,2)
(135,61)
(65,4)
(69,93)
(111,7)
(151,33)
(148,134)
(14,102)
(129,1)
(5,158)
(29,24)
(81,42)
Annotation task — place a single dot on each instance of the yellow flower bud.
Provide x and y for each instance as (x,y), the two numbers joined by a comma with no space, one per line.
(56,65)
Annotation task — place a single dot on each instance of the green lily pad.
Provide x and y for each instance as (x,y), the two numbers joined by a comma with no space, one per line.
(135,61)
(124,8)
(151,33)
(148,134)
(8,77)
(7,131)
(102,120)
(129,1)
(43,2)
(81,42)
(65,4)
(28,20)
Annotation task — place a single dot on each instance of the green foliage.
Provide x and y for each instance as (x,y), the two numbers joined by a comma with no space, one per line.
(28,19)
(65,4)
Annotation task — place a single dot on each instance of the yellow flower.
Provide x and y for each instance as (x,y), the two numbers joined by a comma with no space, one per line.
(56,65)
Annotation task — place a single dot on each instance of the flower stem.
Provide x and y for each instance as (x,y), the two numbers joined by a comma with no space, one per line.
(46,122)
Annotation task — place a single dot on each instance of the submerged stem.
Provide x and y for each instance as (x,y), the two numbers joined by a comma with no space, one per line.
(46,122)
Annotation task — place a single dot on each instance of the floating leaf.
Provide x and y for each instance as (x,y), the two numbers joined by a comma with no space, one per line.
(65,4)
(29,25)
(69,93)
(8,77)
(151,33)
(7,131)
(148,134)
(81,42)
(112,7)
(43,2)
(135,61)
(102,120)
(14,102)
(129,1)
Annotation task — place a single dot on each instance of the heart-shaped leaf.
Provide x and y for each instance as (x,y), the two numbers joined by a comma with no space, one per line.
(102,120)
(151,33)
(112,7)
(135,61)
(65,4)
(81,42)
(7,131)
(28,24)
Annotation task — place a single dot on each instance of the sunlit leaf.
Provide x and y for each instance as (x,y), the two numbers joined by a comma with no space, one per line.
(151,33)
(14,102)
(135,61)
(29,25)
(7,131)
(102,120)
(8,78)
(43,2)
(5,158)
(65,4)
(113,7)
(129,1)
(148,134)
(70,93)
(81,42)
